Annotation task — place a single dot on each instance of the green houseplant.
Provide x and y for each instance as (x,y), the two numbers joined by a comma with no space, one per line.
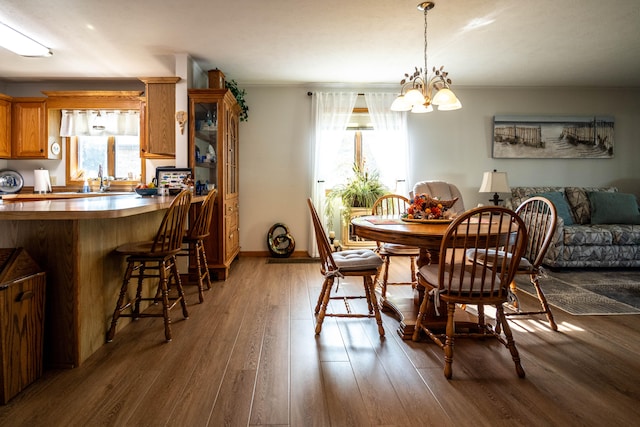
(239,94)
(360,191)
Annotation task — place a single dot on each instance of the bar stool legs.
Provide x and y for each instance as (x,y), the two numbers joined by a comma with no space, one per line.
(137,268)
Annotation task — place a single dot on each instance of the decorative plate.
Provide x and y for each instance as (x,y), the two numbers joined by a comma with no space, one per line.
(10,181)
(428,221)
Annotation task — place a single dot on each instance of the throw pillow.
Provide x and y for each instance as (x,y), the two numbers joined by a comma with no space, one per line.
(562,207)
(613,208)
(579,201)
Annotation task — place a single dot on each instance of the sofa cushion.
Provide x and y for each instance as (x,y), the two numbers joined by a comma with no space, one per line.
(579,202)
(520,194)
(587,235)
(625,234)
(613,208)
(562,207)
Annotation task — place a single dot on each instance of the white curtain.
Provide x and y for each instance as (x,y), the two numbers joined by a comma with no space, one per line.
(331,112)
(99,122)
(389,145)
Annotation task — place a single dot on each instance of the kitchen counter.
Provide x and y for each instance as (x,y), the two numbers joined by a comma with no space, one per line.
(82,206)
(27,197)
(73,241)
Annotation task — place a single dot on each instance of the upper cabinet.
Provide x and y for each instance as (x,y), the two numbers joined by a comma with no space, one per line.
(5,126)
(159,139)
(29,128)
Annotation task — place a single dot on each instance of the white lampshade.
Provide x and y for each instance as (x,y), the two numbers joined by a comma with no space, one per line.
(444,97)
(420,108)
(494,182)
(450,107)
(414,96)
(400,104)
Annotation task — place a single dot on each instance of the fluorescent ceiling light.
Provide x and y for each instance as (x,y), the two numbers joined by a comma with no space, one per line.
(19,43)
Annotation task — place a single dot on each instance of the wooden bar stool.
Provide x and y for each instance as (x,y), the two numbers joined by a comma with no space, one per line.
(157,255)
(194,238)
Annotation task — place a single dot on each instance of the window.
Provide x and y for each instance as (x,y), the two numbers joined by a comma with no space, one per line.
(371,150)
(107,139)
(118,155)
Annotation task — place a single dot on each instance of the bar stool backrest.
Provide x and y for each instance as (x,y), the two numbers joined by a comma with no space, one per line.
(200,227)
(169,236)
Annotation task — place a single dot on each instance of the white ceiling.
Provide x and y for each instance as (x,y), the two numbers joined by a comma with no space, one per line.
(533,43)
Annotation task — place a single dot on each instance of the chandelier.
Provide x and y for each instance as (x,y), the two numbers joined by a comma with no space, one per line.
(419,93)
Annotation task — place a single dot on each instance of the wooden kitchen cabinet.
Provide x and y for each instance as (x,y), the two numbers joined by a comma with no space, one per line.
(213,156)
(159,137)
(29,128)
(5,126)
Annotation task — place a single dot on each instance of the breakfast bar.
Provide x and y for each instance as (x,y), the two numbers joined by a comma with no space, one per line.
(73,240)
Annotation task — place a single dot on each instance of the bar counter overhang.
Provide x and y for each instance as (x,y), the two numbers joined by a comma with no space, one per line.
(73,240)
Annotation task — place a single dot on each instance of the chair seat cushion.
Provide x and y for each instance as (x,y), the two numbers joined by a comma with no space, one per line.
(488,256)
(357,259)
(430,274)
(395,249)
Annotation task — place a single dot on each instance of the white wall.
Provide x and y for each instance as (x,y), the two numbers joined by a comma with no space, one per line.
(275,177)
(454,146)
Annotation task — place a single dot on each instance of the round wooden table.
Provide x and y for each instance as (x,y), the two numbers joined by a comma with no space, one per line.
(426,236)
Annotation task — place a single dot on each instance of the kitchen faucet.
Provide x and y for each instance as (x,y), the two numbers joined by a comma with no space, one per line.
(103,188)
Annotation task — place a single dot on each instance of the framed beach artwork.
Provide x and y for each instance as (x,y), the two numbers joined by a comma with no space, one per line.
(551,137)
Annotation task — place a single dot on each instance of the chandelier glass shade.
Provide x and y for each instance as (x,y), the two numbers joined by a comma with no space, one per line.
(419,92)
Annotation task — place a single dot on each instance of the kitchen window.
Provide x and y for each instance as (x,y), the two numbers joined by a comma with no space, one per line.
(102,138)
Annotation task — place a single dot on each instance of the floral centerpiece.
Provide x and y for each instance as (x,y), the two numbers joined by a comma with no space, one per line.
(423,206)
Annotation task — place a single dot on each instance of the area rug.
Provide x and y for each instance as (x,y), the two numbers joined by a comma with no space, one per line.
(589,291)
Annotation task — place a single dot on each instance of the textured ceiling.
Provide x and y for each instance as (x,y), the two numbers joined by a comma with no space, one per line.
(480,42)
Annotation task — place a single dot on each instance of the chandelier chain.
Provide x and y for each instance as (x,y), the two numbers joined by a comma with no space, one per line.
(425,42)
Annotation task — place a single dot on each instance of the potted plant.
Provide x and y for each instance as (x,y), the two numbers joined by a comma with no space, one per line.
(360,191)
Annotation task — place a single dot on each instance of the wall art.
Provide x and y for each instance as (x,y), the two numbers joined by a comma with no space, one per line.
(552,137)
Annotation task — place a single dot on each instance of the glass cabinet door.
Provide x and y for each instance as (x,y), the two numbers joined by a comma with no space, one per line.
(205,146)
(231,138)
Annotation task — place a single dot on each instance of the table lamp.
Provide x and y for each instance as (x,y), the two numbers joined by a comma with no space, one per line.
(494,182)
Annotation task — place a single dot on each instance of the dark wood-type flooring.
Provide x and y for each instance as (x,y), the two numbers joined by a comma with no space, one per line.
(249,356)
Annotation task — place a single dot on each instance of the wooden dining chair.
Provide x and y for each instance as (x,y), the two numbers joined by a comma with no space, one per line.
(540,217)
(460,279)
(193,243)
(155,259)
(393,206)
(349,263)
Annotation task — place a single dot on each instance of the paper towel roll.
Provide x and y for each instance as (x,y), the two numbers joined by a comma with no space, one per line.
(41,181)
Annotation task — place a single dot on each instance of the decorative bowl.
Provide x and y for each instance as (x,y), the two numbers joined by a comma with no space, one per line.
(147,191)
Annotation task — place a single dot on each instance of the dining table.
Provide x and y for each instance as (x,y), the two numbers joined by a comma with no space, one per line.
(425,235)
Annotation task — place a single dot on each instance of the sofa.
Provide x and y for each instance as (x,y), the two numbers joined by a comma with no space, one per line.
(597,226)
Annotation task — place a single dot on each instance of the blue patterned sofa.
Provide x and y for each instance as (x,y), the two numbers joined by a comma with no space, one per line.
(597,227)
